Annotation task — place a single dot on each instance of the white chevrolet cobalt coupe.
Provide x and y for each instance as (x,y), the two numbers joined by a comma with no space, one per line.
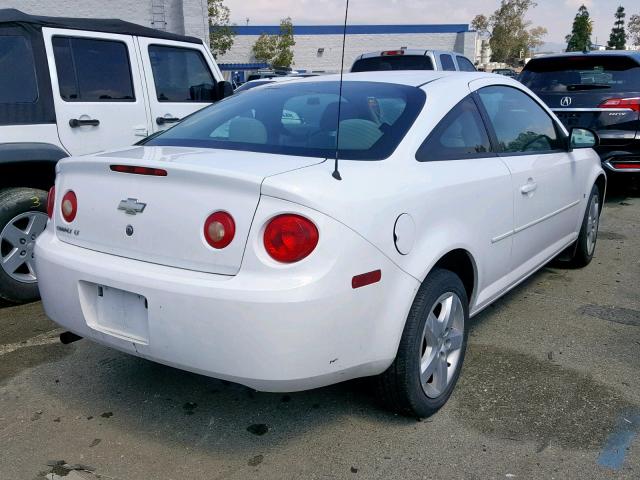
(229,246)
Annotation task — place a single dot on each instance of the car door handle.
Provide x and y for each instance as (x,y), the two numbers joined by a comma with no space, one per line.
(529,187)
(76,122)
(163,120)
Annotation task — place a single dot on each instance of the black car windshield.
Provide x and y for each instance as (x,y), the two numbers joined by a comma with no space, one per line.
(613,73)
(300,118)
(393,62)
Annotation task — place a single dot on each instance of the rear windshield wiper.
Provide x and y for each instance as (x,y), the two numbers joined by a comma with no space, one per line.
(587,86)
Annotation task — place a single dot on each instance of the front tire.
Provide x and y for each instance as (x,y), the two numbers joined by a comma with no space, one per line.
(432,348)
(23,216)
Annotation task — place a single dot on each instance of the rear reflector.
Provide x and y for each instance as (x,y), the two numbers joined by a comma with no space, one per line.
(626,166)
(156,172)
(630,103)
(365,279)
(392,52)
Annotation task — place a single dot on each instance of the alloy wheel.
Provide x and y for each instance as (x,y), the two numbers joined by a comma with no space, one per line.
(17,241)
(441,346)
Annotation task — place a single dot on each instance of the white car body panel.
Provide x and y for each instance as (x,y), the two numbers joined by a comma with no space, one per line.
(280,327)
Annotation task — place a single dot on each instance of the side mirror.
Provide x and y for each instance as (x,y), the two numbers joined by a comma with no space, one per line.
(583,138)
(225,89)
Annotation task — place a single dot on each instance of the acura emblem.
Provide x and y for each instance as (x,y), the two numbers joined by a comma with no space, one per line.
(566,101)
(131,206)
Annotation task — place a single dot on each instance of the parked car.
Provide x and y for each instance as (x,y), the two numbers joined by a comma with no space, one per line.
(596,90)
(77,86)
(507,72)
(412,59)
(234,252)
(265,81)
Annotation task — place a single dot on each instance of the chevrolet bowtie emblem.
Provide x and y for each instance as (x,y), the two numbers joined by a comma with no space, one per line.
(131,206)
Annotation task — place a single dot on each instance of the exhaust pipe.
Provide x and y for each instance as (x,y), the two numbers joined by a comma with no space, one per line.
(68,337)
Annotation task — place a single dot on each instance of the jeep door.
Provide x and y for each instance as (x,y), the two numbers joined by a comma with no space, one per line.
(97,90)
(181,78)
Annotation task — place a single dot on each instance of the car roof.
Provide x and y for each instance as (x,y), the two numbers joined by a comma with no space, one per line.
(105,25)
(412,78)
(407,51)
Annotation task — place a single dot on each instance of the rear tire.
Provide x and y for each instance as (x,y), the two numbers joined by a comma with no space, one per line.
(432,348)
(23,215)
(585,246)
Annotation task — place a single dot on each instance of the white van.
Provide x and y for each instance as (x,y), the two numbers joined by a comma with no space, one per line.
(412,59)
(71,86)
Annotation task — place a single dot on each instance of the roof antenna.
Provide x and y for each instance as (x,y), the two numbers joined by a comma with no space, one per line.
(336,173)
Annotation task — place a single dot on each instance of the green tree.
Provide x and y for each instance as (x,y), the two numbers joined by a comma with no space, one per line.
(618,37)
(510,35)
(276,50)
(580,38)
(634,29)
(221,34)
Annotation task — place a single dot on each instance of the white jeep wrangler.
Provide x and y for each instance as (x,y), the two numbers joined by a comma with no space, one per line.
(72,86)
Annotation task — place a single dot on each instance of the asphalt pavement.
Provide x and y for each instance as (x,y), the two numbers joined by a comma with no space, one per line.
(550,389)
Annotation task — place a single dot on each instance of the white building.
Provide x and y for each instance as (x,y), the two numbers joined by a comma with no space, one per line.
(319,47)
(185,17)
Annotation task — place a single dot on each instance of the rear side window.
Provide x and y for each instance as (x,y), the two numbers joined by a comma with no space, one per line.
(520,124)
(91,70)
(610,73)
(461,134)
(17,70)
(181,75)
(447,62)
(465,64)
(393,62)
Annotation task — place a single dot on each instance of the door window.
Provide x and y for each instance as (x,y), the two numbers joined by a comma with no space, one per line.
(92,70)
(465,64)
(181,75)
(520,124)
(461,134)
(447,62)
(18,78)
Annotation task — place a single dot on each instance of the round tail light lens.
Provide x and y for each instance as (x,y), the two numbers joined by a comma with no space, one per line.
(69,206)
(290,238)
(219,229)
(51,200)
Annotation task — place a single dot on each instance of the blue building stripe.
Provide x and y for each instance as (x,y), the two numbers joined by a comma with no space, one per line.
(352,29)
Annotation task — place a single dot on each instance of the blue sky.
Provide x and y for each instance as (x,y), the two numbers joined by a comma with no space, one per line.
(555,15)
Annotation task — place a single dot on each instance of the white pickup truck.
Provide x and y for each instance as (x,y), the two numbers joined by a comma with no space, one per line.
(72,86)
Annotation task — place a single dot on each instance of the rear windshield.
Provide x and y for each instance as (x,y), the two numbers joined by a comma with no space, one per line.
(588,72)
(17,71)
(301,118)
(393,62)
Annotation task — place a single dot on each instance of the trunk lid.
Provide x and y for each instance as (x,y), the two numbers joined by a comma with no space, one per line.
(170,228)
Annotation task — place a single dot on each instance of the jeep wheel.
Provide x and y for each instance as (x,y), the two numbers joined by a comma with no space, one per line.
(22,218)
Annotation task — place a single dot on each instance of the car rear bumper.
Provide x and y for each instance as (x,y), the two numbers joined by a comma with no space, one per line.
(622,161)
(292,334)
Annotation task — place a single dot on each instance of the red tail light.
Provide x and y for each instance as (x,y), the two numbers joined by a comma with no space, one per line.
(290,238)
(51,200)
(626,166)
(69,206)
(392,52)
(219,229)
(156,172)
(630,103)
